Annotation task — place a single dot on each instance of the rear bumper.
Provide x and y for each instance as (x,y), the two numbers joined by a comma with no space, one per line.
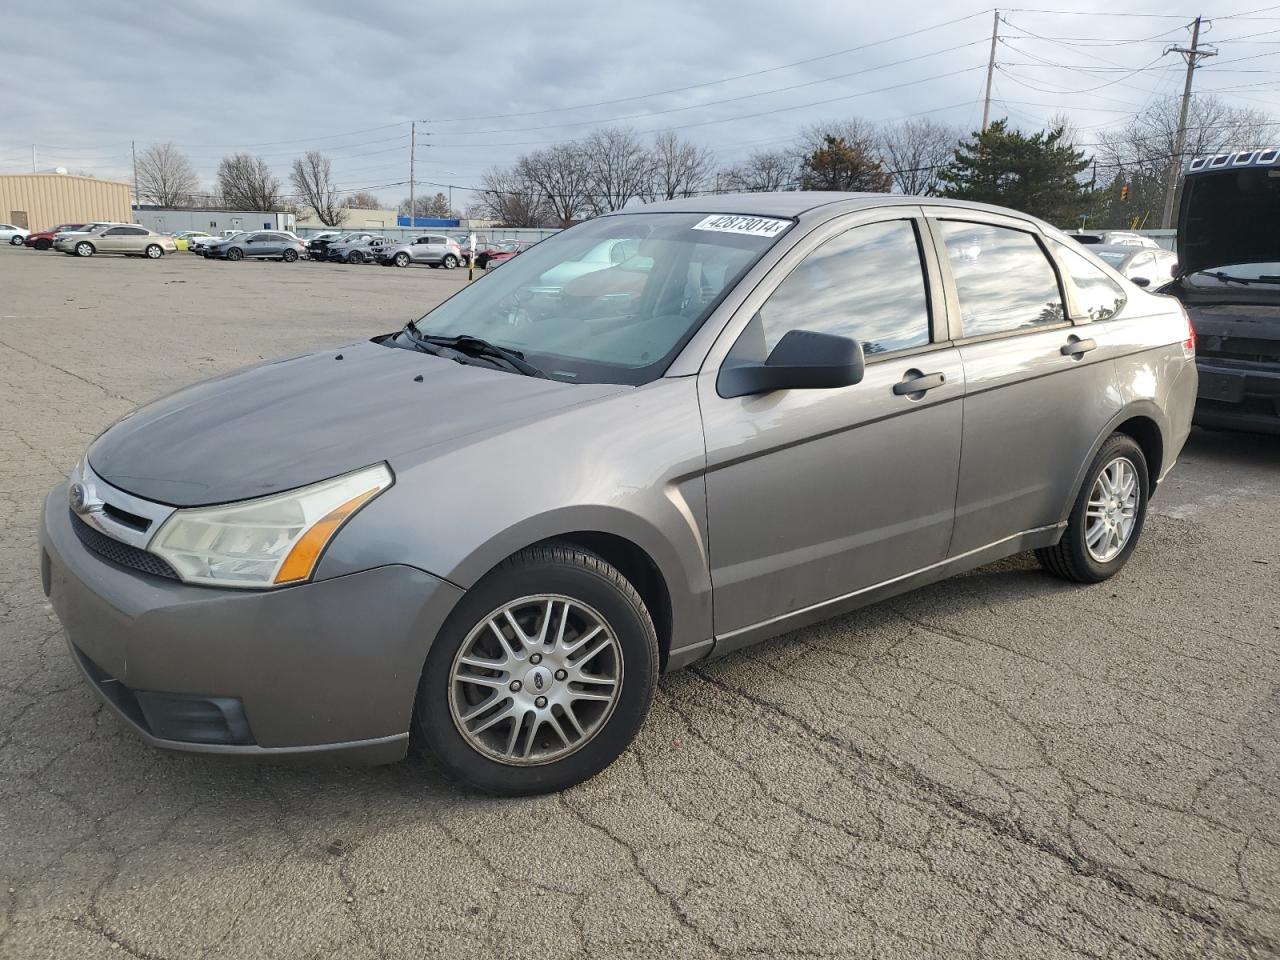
(1238,395)
(326,669)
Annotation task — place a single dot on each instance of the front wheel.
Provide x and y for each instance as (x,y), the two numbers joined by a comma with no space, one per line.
(542,675)
(1107,518)
(355,256)
(43,244)
(402,259)
(450,261)
(84,249)
(154,251)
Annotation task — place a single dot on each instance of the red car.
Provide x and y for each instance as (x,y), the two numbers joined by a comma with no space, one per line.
(44,239)
(499,251)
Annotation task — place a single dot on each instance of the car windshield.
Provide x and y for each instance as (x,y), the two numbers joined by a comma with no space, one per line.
(1113,257)
(620,319)
(1249,272)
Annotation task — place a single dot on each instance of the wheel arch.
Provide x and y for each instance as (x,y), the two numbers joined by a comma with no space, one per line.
(1147,425)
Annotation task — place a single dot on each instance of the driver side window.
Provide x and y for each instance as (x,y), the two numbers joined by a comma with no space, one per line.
(867,283)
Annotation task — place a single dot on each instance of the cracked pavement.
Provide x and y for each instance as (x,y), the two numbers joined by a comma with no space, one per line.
(1001,765)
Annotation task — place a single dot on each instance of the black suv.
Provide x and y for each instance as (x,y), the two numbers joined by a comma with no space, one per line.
(1229,281)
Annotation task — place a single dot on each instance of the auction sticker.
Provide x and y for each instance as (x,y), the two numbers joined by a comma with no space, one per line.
(740,223)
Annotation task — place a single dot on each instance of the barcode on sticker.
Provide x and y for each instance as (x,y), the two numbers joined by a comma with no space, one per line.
(740,223)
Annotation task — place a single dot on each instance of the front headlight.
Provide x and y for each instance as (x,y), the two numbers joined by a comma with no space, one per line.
(266,542)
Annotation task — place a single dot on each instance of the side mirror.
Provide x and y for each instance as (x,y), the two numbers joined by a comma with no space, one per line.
(1141,281)
(802,360)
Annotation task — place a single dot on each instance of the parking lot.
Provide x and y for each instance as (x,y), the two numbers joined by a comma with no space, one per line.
(1001,765)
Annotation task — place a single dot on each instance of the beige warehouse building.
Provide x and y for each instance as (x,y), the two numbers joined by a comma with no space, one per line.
(38,201)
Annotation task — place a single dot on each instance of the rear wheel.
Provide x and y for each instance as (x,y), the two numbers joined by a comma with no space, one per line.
(355,256)
(154,251)
(235,253)
(1107,518)
(84,249)
(450,261)
(16,240)
(43,244)
(402,259)
(289,256)
(542,675)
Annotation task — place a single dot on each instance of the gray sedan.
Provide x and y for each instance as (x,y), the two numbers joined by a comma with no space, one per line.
(489,533)
(260,245)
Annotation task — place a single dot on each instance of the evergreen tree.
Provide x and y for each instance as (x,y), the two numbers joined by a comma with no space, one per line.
(1035,174)
(840,165)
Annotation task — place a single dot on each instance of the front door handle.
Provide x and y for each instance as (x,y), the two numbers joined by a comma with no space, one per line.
(1077,348)
(917,382)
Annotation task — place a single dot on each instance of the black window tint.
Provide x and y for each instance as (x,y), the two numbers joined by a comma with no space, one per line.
(115,232)
(1097,295)
(867,283)
(136,231)
(1003,279)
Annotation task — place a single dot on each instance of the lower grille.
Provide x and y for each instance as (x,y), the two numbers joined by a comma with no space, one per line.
(121,553)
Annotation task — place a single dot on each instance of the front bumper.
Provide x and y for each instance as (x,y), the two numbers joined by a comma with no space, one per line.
(1238,394)
(328,668)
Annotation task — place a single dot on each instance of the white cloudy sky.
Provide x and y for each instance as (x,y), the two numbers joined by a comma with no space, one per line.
(83,80)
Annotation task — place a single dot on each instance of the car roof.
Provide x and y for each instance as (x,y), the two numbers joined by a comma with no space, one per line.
(1129,248)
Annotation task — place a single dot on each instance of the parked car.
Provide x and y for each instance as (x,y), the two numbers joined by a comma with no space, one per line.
(499,251)
(183,239)
(1114,238)
(433,249)
(1229,280)
(603,255)
(127,239)
(1145,266)
(201,245)
(357,251)
(490,531)
(11,234)
(43,239)
(258,245)
(318,247)
(89,228)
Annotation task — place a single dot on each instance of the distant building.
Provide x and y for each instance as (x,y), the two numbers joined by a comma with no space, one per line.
(210,219)
(356,219)
(38,201)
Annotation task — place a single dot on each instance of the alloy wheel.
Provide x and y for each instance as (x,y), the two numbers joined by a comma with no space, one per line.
(1112,510)
(535,680)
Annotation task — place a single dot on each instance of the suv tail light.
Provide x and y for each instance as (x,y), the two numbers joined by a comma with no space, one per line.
(1189,344)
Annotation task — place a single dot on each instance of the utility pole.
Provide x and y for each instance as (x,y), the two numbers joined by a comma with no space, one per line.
(991,69)
(33,158)
(133,148)
(1192,54)
(413,142)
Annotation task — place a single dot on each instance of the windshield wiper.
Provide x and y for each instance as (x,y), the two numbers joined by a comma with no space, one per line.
(1223,277)
(472,346)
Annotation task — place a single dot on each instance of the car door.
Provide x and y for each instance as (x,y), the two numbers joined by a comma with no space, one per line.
(1039,388)
(820,494)
(111,240)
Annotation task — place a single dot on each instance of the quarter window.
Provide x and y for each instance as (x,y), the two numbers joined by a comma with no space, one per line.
(1097,295)
(1003,279)
(866,283)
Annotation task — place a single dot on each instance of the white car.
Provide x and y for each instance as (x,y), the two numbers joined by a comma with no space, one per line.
(89,228)
(608,253)
(1116,238)
(12,234)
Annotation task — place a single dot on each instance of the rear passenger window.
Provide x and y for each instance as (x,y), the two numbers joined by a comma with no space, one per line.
(867,283)
(1097,295)
(1003,279)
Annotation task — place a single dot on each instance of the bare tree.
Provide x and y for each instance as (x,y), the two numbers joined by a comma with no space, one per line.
(362,200)
(618,168)
(429,205)
(312,177)
(560,175)
(1140,153)
(915,151)
(246,182)
(165,176)
(510,199)
(861,135)
(763,170)
(680,168)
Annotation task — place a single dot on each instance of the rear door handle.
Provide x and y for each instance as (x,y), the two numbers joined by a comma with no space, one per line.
(1077,348)
(918,383)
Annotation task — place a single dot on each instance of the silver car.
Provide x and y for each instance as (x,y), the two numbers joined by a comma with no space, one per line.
(358,248)
(435,250)
(128,239)
(491,531)
(1145,266)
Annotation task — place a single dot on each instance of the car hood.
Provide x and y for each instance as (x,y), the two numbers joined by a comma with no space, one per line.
(287,423)
(1229,215)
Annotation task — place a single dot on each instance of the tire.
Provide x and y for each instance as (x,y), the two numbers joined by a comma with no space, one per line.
(1072,558)
(16,241)
(235,253)
(627,649)
(355,256)
(289,256)
(402,259)
(43,244)
(482,262)
(449,261)
(154,251)
(84,249)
